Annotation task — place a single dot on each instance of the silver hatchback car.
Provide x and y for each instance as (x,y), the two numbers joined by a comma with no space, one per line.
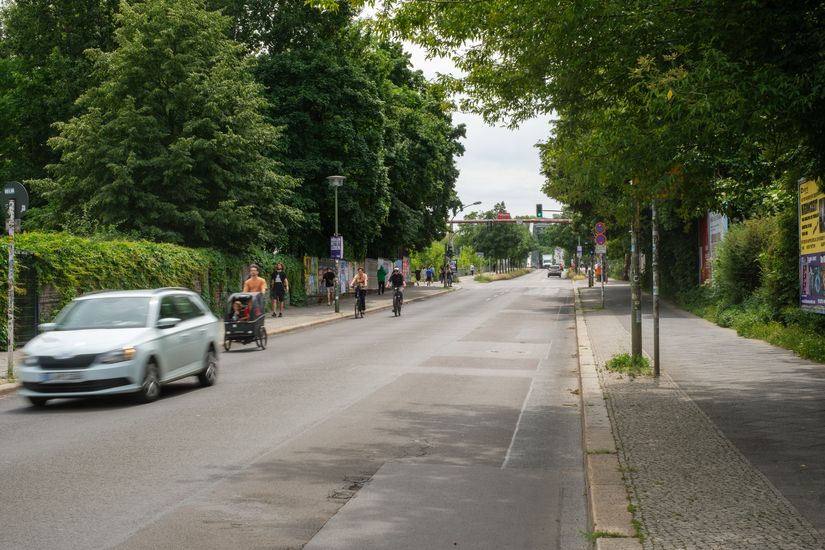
(117,342)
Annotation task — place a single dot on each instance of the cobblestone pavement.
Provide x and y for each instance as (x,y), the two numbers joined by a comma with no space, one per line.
(693,488)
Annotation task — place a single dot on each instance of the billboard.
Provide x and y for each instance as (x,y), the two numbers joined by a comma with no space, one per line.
(812,246)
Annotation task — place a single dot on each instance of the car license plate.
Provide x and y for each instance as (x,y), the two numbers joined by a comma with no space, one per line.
(63,377)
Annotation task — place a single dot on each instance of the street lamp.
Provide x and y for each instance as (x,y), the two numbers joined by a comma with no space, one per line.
(337,244)
(448,244)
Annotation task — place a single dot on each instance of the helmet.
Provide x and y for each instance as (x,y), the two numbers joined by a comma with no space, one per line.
(395,268)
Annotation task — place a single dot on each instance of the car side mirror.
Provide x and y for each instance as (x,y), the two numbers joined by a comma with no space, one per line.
(168,322)
(46,327)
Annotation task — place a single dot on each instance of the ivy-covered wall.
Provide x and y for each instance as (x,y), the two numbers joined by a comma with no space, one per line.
(67,266)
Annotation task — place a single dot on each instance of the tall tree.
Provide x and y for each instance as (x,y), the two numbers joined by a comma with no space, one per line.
(350,104)
(172,145)
(42,73)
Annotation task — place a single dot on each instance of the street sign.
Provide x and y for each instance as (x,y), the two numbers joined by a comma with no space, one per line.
(579,251)
(601,239)
(14,190)
(336,247)
(503,216)
(600,228)
(601,249)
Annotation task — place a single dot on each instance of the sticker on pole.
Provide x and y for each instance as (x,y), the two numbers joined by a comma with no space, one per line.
(336,247)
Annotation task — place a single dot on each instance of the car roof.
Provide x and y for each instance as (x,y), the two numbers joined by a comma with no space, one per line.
(139,293)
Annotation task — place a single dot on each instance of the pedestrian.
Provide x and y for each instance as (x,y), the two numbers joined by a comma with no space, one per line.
(441,274)
(280,287)
(381,277)
(430,274)
(472,270)
(418,276)
(449,275)
(254,283)
(329,283)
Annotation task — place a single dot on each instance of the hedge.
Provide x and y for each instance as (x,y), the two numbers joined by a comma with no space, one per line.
(71,266)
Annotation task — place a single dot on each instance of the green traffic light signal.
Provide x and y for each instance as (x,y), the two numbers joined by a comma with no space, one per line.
(539,211)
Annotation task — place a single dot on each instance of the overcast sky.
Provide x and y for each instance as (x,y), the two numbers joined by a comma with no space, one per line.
(498,164)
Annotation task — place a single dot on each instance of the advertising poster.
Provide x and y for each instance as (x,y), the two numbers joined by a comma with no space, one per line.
(812,246)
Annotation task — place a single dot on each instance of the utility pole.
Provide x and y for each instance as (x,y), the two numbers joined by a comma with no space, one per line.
(655,261)
(635,287)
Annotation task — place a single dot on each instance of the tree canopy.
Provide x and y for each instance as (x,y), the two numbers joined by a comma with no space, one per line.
(171,144)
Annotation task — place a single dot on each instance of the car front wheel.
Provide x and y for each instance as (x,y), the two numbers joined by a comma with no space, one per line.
(209,375)
(150,388)
(37,401)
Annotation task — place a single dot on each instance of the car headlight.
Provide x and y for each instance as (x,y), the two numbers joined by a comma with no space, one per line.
(118,355)
(29,360)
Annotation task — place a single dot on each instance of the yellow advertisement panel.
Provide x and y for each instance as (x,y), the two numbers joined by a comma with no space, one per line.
(811,217)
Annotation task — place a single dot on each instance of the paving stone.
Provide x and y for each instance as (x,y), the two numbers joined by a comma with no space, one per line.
(692,486)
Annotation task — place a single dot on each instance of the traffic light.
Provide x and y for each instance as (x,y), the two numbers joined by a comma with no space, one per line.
(539,211)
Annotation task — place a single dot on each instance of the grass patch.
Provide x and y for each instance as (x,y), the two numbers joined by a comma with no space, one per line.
(799,331)
(627,364)
(490,277)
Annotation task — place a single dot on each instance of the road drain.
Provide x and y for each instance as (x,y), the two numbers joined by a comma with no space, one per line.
(351,486)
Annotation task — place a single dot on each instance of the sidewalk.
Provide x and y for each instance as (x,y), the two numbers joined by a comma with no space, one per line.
(296,318)
(725,451)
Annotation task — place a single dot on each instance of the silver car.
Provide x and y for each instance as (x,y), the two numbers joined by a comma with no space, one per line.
(119,342)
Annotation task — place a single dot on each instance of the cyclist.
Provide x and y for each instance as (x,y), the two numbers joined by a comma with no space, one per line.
(359,283)
(397,281)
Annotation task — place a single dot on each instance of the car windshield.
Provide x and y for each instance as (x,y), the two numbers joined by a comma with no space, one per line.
(104,312)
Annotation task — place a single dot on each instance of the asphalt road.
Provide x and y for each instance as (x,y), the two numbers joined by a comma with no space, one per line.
(452,426)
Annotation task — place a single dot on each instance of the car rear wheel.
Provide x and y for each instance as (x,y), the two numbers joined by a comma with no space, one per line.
(38,401)
(209,375)
(150,388)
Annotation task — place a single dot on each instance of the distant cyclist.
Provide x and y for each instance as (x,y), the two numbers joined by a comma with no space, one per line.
(359,283)
(397,282)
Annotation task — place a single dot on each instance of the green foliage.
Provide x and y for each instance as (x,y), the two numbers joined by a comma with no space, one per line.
(501,241)
(42,73)
(737,270)
(505,276)
(431,255)
(350,104)
(630,365)
(171,144)
(467,256)
(71,266)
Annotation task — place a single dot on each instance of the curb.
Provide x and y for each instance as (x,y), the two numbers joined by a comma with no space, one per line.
(8,388)
(340,316)
(607,496)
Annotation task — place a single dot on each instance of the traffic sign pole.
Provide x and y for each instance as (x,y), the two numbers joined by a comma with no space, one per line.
(10,312)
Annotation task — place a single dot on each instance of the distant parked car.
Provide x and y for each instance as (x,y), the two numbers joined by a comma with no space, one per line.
(554,270)
(120,342)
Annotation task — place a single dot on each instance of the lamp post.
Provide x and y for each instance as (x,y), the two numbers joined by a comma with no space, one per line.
(448,244)
(337,250)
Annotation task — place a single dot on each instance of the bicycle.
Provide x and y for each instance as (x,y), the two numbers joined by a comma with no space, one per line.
(397,301)
(359,302)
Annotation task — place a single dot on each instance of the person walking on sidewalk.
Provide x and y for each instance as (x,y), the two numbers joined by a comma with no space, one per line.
(382,277)
(254,283)
(418,276)
(430,275)
(280,287)
(329,284)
